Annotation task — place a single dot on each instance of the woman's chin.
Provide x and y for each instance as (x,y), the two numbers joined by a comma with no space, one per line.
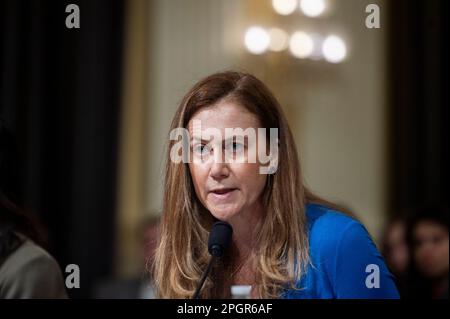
(223,214)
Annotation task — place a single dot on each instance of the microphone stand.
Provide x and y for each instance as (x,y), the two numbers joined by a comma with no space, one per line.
(219,239)
(202,280)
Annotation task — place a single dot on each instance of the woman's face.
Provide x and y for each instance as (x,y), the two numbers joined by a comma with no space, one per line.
(431,248)
(226,189)
(397,249)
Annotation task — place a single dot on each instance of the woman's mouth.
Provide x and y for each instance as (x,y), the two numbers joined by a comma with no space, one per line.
(222,194)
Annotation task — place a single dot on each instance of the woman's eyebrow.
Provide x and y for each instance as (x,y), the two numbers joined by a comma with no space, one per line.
(227,140)
(197,139)
(236,138)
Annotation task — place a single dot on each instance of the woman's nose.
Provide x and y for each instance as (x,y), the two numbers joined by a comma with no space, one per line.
(219,170)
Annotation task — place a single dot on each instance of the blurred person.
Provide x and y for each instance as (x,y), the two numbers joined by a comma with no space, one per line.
(396,252)
(286,241)
(429,240)
(26,269)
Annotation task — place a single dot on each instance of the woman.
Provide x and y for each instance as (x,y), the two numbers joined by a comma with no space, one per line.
(429,242)
(287,242)
(26,269)
(395,249)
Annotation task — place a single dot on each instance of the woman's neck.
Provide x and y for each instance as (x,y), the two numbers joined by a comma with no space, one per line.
(246,226)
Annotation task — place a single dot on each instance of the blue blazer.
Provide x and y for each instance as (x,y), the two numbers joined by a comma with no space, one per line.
(345,263)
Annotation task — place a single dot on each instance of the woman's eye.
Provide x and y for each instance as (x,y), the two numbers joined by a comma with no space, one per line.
(437,239)
(236,147)
(200,149)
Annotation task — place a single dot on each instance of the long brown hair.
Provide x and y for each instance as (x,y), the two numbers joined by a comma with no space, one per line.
(13,218)
(283,252)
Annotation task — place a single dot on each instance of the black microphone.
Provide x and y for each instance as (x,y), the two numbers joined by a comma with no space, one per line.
(218,241)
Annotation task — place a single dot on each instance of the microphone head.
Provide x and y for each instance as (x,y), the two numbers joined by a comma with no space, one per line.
(219,238)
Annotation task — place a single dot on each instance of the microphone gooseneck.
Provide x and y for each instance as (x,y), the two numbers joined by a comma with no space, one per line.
(218,241)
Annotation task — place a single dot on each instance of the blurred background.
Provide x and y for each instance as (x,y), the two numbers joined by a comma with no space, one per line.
(90,109)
